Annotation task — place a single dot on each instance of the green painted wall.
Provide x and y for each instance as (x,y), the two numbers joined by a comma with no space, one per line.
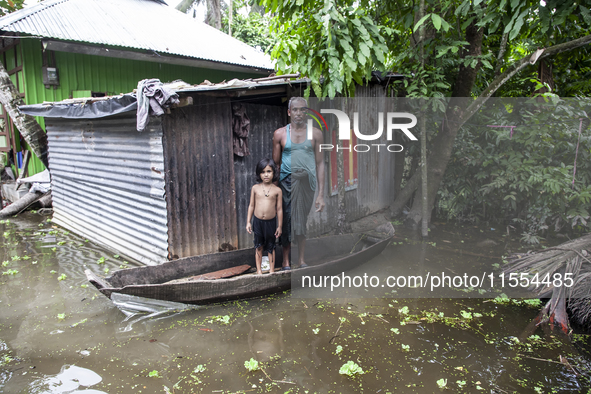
(100,74)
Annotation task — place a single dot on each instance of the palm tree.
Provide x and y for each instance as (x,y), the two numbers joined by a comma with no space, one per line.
(214,10)
(568,260)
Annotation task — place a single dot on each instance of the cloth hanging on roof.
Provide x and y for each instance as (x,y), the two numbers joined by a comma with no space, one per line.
(240,130)
(152,98)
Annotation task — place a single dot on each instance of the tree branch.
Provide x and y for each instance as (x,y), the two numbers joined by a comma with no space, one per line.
(514,69)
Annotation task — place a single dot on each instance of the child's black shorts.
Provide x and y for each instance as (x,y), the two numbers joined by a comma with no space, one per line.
(264,233)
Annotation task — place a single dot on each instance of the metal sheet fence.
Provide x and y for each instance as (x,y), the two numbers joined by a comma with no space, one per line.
(200,189)
(375,188)
(108,184)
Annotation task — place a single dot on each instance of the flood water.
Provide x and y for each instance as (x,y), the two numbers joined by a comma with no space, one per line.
(58,335)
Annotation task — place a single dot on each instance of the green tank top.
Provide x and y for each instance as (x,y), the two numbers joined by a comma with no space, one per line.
(298,157)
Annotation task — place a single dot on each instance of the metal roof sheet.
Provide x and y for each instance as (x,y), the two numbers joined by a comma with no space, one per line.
(147,25)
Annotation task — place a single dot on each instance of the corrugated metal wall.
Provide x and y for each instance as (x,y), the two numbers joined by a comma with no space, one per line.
(264,120)
(200,189)
(108,184)
(375,190)
(100,74)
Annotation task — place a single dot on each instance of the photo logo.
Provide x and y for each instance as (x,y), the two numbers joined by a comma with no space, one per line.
(344,129)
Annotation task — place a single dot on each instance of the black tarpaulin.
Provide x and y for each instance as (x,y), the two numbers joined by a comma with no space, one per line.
(83,109)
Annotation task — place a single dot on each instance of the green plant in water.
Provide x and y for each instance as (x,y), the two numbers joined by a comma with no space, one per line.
(395,330)
(5,360)
(441,383)
(461,383)
(62,277)
(403,310)
(466,315)
(15,258)
(26,257)
(10,272)
(61,316)
(405,348)
(534,302)
(350,368)
(101,261)
(199,368)
(153,374)
(251,365)
(338,350)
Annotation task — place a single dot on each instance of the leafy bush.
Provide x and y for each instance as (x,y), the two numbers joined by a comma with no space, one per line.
(525,178)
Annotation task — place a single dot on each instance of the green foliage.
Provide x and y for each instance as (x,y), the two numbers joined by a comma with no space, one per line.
(339,42)
(342,42)
(252,29)
(8,6)
(441,383)
(524,179)
(351,369)
(153,374)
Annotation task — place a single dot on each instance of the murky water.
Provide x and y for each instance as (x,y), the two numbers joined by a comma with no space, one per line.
(59,336)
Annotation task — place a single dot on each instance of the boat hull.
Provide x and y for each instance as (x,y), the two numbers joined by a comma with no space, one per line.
(150,282)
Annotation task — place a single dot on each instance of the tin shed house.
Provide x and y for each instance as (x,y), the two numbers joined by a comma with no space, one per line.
(60,49)
(179,189)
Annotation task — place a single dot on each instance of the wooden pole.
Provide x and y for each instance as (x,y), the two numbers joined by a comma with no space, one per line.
(422,122)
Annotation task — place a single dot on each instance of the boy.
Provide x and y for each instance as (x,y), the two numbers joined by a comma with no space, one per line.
(266,205)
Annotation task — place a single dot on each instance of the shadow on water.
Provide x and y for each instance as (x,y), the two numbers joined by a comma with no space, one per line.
(58,335)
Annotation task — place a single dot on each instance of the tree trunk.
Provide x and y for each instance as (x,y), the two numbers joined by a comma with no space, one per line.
(46,201)
(20,205)
(459,110)
(214,14)
(230,16)
(26,124)
(343,226)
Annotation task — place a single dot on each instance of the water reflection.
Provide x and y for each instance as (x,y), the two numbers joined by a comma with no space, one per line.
(68,381)
(139,309)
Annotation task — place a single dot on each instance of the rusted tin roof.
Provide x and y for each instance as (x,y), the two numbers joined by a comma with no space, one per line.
(143,25)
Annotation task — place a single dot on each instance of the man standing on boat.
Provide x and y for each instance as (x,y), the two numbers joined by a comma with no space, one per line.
(301,173)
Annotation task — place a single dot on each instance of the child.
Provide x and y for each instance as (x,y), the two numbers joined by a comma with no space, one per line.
(266,205)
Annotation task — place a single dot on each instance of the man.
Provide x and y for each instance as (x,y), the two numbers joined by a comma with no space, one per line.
(301,173)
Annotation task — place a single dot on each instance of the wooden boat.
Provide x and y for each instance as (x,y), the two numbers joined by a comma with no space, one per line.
(181,280)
